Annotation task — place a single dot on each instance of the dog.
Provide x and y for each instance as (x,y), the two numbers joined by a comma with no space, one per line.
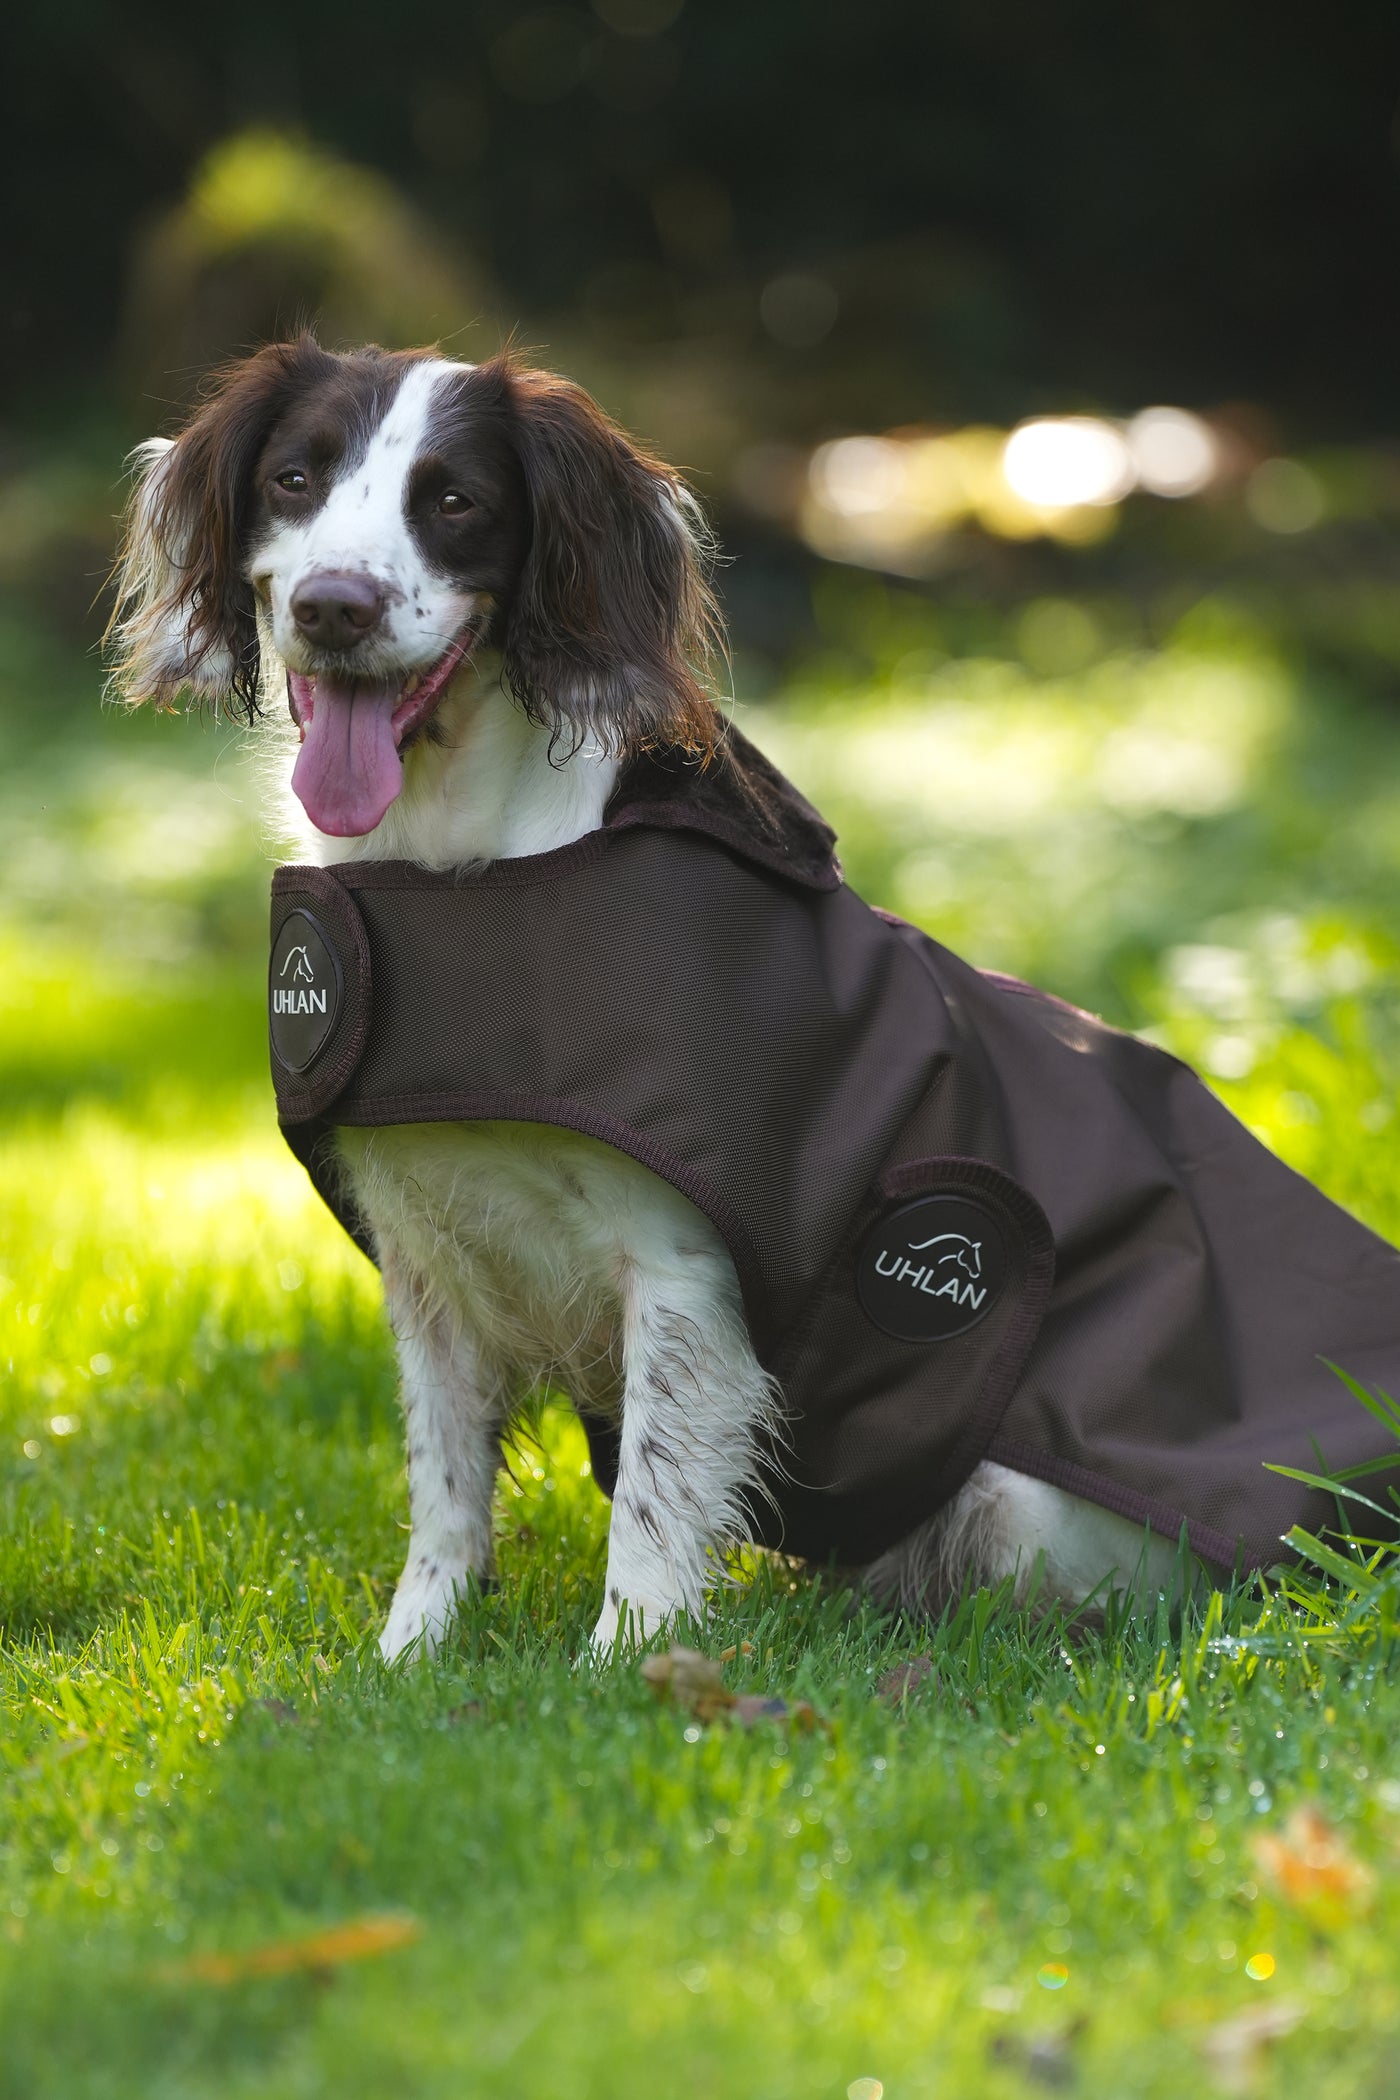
(480,598)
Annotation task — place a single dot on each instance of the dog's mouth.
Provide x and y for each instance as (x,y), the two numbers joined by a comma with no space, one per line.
(349,767)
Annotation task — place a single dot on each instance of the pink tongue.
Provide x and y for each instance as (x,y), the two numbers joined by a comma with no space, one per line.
(348,770)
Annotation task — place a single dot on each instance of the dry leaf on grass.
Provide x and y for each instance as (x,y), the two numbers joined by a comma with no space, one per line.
(695,1683)
(1310,1864)
(689,1679)
(312,1952)
(1235,2049)
(904,1679)
(754,1706)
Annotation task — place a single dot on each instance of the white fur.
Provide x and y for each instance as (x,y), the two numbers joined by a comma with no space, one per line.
(1008,1527)
(150,625)
(517,1256)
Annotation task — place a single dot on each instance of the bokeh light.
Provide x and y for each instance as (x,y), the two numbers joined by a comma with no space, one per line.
(859,475)
(1055,463)
(1283,495)
(891,500)
(1173,452)
(1260,1967)
(1053,1976)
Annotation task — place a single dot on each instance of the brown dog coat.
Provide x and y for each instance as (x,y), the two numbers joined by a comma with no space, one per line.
(969,1221)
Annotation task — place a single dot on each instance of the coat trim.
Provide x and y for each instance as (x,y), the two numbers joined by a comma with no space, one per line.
(1160,1517)
(388,1110)
(520,874)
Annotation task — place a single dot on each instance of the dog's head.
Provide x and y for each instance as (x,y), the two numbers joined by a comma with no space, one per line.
(368,520)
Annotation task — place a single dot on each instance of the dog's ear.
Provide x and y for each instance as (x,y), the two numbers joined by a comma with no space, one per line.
(184,618)
(612,629)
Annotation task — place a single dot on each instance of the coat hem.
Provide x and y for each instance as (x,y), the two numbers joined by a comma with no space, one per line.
(1206,1542)
(394,1110)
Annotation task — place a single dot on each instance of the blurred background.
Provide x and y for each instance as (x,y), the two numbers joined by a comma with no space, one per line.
(1036,364)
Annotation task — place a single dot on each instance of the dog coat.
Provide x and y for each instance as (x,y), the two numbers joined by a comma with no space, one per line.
(968,1220)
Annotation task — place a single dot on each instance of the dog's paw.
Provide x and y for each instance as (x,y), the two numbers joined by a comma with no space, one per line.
(625,1624)
(602,1642)
(418,1618)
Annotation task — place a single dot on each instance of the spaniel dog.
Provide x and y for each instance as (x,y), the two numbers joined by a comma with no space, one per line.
(479,597)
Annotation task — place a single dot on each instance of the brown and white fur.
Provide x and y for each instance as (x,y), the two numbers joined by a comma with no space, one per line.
(329,527)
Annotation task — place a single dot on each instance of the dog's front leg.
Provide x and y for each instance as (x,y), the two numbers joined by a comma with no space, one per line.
(695,1400)
(452,1424)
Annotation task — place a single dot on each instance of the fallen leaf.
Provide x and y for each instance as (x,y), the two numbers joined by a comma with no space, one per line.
(727,1655)
(906,1677)
(690,1679)
(694,1682)
(316,1952)
(755,1706)
(1311,1865)
(1235,2049)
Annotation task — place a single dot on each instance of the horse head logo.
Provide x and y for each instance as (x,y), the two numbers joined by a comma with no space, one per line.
(303,972)
(934,1287)
(958,1249)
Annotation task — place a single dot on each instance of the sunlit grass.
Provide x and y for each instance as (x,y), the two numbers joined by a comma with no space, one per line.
(1040,1867)
(1084,830)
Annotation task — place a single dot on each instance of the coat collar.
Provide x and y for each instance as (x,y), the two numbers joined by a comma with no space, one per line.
(740,798)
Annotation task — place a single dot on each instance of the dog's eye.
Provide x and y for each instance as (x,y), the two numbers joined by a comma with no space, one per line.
(453,504)
(293,481)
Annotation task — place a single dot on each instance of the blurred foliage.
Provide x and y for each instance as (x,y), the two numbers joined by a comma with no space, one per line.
(272,233)
(979,769)
(274,228)
(884,216)
(683,209)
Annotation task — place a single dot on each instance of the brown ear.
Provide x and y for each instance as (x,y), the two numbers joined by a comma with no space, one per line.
(612,629)
(185,618)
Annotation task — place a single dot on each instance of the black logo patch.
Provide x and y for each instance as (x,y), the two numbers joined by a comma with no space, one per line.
(932,1269)
(303,991)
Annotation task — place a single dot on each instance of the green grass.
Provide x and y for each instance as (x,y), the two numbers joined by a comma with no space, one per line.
(1040,1868)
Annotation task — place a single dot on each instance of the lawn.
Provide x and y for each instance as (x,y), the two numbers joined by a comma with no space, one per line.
(237,1856)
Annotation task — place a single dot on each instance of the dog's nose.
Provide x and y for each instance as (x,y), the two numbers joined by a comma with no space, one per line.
(337,610)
